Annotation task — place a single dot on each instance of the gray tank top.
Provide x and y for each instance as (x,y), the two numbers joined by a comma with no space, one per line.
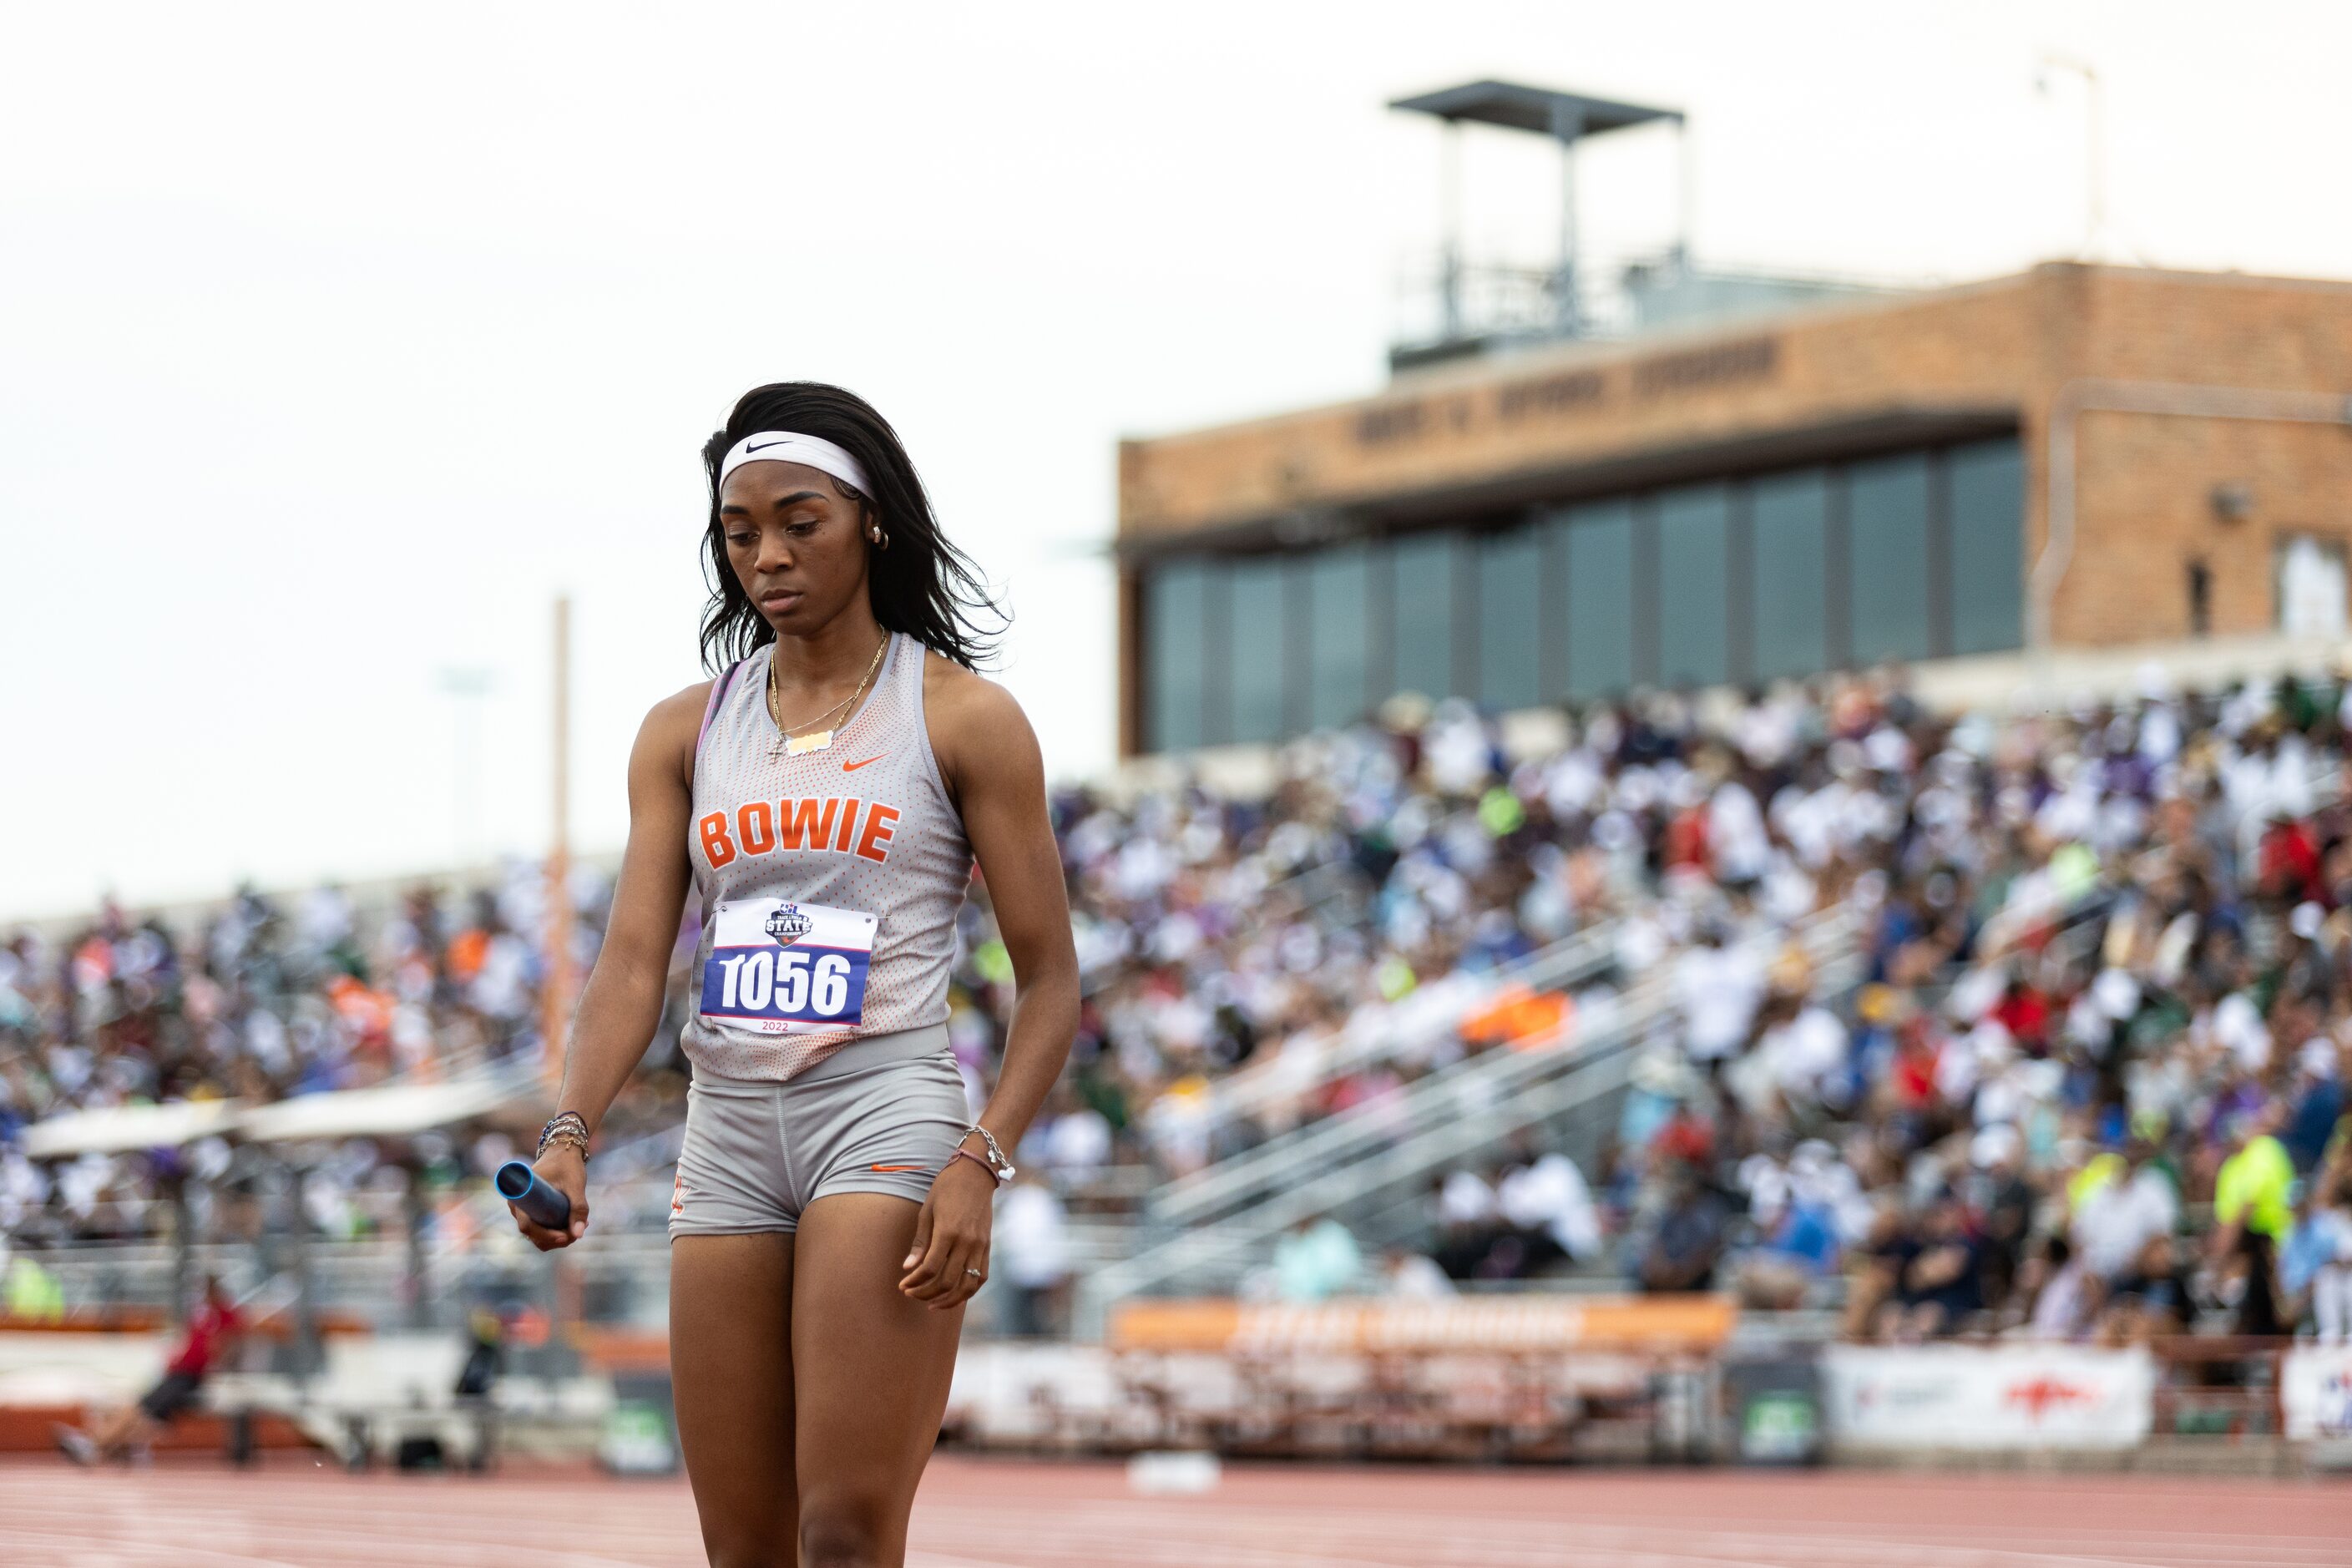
(830,880)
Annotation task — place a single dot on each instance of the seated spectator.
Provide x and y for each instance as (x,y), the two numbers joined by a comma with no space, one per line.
(1875,1271)
(1317,1259)
(2149,1300)
(1720,985)
(1464,1217)
(1938,1276)
(2067,1296)
(1798,1248)
(2122,1203)
(2316,1265)
(1409,1275)
(2317,1104)
(1686,1242)
(1546,1202)
(2005,1200)
(1069,1138)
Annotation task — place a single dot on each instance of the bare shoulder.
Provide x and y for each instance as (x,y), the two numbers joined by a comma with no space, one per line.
(973,722)
(681,710)
(666,737)
(956,693)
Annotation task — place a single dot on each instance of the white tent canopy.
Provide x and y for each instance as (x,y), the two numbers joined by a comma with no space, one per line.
(112,1128)
(391,1110)
(388,1110)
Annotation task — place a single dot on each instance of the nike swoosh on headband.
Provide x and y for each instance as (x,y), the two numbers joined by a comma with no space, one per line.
(814,451)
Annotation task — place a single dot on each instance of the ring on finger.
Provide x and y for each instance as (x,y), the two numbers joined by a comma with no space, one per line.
(975,1273)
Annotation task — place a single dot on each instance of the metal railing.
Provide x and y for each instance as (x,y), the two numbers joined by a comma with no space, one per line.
(1586,956)
(1439,300)
(624,1271)
(1244,1179)
(1374,1162)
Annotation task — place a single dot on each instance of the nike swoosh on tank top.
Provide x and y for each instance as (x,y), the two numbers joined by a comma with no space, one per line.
(830,882)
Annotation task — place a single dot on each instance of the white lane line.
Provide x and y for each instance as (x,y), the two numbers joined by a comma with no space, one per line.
(423,1540)
(1899,1540)
(1236,1542)
(183,1552)
(2141,1536)
(2227,1554)
(1251,1549)
(1868,1544)
(1537,1543)
(371,1539)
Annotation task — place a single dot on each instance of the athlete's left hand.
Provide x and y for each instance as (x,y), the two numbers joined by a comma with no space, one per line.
(951,1236)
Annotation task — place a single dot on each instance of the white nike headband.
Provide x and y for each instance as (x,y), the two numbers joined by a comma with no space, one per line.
(784,446)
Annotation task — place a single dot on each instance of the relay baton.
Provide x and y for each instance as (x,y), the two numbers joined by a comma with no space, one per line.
(540,1203)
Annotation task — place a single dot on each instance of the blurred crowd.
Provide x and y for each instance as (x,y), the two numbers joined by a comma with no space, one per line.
(2088,1085)
(2091,1085)
(258,999)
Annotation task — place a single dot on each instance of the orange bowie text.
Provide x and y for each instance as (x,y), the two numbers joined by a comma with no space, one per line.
(841,827)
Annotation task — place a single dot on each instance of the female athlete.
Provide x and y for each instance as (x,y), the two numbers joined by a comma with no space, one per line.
(827,795)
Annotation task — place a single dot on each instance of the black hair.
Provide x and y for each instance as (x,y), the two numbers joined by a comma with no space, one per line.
(922,584)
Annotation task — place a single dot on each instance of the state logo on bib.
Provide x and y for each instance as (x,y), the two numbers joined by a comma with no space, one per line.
(777,967)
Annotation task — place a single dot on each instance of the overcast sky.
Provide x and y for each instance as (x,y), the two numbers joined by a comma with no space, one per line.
(336,342)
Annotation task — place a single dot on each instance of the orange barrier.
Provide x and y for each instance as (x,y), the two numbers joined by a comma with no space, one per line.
(141,1319)
(611,1349)
(1503,1324)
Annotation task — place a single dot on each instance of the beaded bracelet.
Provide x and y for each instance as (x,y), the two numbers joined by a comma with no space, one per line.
(565,1126)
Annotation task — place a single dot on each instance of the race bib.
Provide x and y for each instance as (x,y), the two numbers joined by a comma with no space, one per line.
(782,968)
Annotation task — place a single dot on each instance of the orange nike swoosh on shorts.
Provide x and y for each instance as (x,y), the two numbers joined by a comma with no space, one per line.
(852,767)
(895,1167)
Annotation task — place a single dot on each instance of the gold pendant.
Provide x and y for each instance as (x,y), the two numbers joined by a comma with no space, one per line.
(795,745)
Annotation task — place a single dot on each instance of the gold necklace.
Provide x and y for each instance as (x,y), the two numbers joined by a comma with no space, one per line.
(790,744)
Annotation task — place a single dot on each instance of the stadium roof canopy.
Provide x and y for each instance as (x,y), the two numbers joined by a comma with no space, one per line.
(1564,116)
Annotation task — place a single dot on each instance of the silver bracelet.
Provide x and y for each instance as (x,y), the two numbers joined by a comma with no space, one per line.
(996,1159)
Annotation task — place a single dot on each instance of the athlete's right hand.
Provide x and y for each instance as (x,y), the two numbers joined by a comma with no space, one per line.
(561,1168)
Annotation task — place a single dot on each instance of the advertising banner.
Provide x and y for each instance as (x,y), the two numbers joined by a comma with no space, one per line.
(1988,1397)
(2316,1388)
(1492,1324)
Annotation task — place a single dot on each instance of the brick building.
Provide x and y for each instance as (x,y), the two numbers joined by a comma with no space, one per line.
(1828,486)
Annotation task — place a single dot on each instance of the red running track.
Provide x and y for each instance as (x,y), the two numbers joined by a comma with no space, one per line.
(982,1513)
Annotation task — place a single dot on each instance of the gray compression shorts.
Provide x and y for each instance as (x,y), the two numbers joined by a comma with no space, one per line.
(880,1115)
